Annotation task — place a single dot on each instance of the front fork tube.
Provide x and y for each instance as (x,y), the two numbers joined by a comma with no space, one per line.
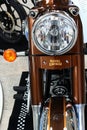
(36,109)
(80,109)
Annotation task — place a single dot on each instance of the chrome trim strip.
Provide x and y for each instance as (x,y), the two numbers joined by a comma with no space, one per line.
(80,108)
(36,116)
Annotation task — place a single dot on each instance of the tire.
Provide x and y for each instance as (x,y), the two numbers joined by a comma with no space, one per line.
(57,117)
(11,16)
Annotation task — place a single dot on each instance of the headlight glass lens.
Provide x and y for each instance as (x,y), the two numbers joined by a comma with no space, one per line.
(54,33)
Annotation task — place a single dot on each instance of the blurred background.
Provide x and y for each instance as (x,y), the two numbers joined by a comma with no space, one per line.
(10,73)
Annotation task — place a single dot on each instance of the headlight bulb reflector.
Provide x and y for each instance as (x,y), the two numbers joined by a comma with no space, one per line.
(54,33)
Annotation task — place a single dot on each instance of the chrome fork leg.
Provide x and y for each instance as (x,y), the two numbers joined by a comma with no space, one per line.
(36,116)
(80,108)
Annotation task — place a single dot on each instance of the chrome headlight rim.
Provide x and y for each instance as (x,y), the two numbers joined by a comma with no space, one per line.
(67,17)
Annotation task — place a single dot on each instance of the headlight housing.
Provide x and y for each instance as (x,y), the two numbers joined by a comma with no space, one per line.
(54,33)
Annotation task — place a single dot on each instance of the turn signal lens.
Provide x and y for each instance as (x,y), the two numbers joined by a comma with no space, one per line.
(9,55)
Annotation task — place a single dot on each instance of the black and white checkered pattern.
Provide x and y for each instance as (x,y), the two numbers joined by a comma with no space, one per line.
(24,107)
(22,117)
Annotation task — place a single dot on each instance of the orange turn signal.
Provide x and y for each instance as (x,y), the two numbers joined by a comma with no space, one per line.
(9,55)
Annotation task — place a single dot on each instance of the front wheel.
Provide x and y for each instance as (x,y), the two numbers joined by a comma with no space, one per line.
(57,117)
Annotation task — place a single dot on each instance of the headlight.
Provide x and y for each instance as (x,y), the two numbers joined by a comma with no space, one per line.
(54,33)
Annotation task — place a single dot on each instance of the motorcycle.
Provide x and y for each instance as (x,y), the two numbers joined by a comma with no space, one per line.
(56,64)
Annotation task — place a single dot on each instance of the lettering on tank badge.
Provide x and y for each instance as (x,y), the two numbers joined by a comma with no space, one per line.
(55,62)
